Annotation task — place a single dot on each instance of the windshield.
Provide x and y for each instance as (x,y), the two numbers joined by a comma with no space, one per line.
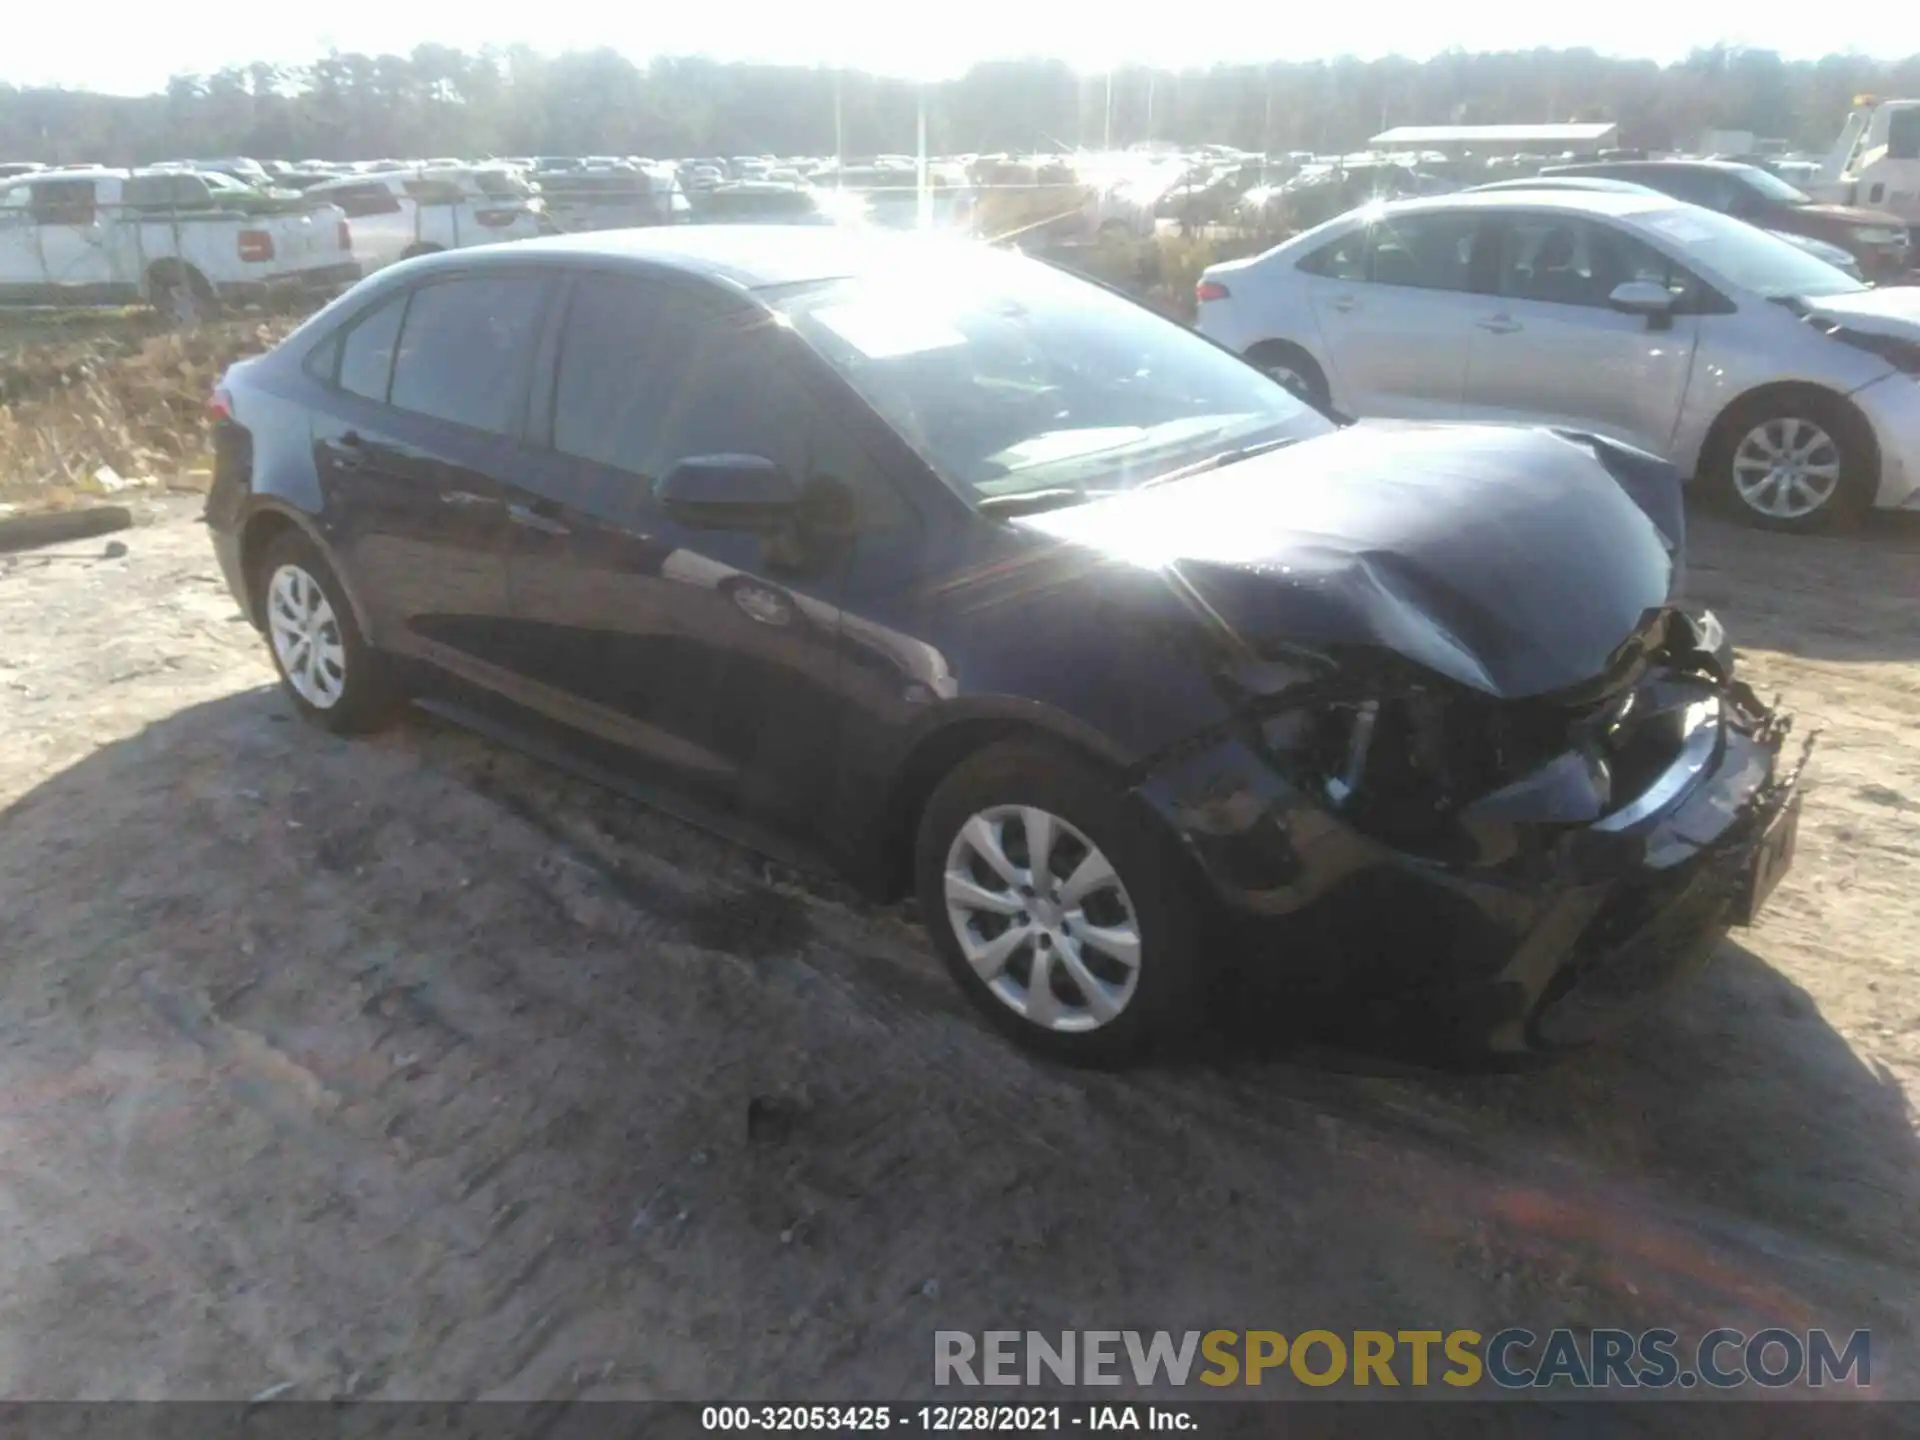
(1009,376)
(1774,188)
(1749,258)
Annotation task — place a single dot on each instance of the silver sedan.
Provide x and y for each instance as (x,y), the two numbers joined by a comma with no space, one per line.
(1783,386)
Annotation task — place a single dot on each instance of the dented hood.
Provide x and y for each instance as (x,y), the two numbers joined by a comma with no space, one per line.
(1509,560)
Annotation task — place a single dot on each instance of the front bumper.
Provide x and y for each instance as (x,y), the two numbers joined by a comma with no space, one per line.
(1892,407)
(1538,946)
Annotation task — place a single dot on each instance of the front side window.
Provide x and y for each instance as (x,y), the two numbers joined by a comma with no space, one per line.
(1555,258)
(646,378)
(465,350)
(1008,376)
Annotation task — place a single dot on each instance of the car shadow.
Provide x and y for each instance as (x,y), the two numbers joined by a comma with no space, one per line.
(468,1070)
(1731,1088)
(1846,597)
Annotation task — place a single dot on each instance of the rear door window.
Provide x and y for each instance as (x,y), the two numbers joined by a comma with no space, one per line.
(1423,252)
(466,349)
(366,352)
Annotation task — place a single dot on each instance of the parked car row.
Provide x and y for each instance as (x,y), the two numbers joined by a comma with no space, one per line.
(1002,590)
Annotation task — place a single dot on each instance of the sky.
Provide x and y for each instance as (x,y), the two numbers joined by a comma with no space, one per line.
(131,48)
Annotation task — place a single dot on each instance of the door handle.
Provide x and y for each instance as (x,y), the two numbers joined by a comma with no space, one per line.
(537,516)
(349,452)
(1345,304)
(461,499)
(1499,324)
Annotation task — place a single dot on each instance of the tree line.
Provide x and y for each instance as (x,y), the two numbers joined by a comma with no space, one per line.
(514,101)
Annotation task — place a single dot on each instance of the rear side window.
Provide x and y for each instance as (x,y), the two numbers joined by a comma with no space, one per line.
(366,354)
(465,351)
(1425,252)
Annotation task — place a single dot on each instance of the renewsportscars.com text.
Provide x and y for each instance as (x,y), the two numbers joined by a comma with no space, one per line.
(1510,1359)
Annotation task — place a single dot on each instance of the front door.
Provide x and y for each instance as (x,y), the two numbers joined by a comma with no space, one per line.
(706,654)
(1549,349)
(430,405)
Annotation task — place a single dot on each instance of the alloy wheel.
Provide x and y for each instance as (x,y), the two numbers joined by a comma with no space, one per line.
(1786,468)
(1043,918)
(306,637)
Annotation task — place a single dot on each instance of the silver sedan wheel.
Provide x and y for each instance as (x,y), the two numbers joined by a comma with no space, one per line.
(1043,918)
(306,637)
(1786,468)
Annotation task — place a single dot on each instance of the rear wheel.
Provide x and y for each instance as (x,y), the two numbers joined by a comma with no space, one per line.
(182,295)
(1796,462)
(331,674)
(1063,916)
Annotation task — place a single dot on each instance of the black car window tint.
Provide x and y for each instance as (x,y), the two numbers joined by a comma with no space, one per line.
(466,349)
(366,351)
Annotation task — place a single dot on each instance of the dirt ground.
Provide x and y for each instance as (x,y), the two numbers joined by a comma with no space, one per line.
(408,1067)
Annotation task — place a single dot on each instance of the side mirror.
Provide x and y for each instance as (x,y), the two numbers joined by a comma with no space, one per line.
(728,492)
(1643,297)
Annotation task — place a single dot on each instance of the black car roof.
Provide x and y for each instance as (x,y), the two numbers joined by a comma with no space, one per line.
(750,257)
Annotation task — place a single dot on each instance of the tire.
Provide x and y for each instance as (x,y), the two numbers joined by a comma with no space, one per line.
(1129,1008)
(348,687)
(1282,359)
(182,295)
(1839,462)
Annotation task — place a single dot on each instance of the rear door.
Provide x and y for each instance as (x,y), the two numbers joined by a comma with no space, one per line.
(1548,348)
(1393,303)
(430,409)
(709,655)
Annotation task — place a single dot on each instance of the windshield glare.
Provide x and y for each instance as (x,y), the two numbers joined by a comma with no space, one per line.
(1008,376)
(1745,256)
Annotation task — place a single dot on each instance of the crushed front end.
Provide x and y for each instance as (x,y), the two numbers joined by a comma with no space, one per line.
(1524,869)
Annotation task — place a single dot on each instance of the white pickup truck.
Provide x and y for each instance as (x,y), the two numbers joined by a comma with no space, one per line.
(178,240)
(1876,160)
(397,214)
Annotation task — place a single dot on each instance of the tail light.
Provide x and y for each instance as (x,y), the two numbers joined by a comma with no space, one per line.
(220,406)
(256,245)
(497,219)
(1210,290)
(346,236)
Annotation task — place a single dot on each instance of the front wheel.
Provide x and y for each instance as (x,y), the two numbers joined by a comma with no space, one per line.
(1796,463)
(1062,915)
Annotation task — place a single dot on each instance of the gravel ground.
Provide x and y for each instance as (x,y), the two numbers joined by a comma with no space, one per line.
(408,1067)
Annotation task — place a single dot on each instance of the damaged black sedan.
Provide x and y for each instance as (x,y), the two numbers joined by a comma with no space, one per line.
(993,587)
